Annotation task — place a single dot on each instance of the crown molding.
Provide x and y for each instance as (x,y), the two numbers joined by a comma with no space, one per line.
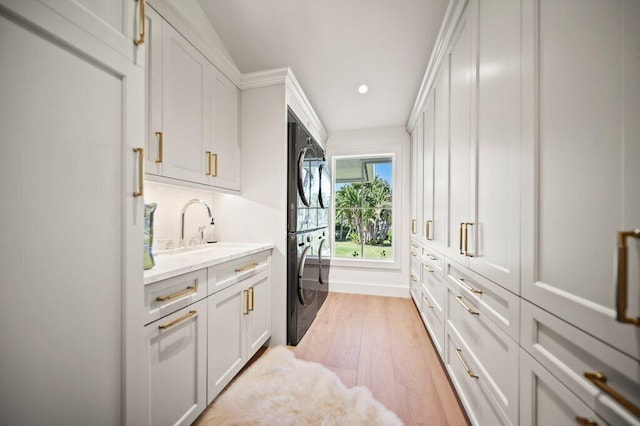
(286,77)
(451,18)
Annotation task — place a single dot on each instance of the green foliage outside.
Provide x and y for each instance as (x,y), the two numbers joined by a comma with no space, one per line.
(363,214)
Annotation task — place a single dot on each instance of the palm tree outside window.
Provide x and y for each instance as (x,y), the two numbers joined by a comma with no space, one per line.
(363,207)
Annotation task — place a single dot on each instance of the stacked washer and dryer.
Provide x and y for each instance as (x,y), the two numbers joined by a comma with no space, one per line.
(308,250)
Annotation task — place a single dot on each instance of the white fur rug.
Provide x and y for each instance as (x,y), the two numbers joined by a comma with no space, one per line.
(279,389)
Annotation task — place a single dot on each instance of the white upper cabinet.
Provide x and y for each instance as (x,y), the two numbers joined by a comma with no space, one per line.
(438,236)
(427,172)
(582,182)
(185,108)
(117,23)
(416,181)
(224,107)
(496,252)
(192,112)
(461,139)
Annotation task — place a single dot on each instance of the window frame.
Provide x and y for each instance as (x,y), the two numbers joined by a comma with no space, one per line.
(396,196)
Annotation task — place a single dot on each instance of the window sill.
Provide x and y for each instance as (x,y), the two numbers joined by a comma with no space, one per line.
(365,264)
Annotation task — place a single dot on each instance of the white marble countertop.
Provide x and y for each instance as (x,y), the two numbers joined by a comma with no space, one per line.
(170,263)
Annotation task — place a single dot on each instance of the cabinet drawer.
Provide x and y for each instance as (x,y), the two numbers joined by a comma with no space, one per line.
(164,297)
(436,284)
(434,321)
(471,386)
(176,349)
(544,400)
(434,259)
(415,253)
(502,306)
(493,351)
(414,287)
(568,353)
(225,274)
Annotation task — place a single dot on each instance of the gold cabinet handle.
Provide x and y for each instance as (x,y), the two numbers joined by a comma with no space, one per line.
(466,239)
(208,154)
(428,230)
(428,269)
(464,364)
(141,34)
(468,287)
(460,243)
(178,320)
(215,165)
(427,302)
(245,294)
(471,311)
(414,224)
(413,253)
(414,245)
(140,191)
(160,137)
(247,267)
(585,421)
(621,302)
(252,299)
(188,290)
(413,278)
(432,257)
(600,380)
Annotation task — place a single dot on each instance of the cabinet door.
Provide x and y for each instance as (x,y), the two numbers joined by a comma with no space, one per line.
(496,254)
(227,345)
(224,122)
(71,267)
(427,172)
(583,182)
(414,182)
(177,356)
(439,236)
(154,136)
(259,318)
(115,23)
(461,160)
(185,108)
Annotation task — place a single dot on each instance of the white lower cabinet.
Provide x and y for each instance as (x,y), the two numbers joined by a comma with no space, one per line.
(239,324)
(546,401)
(176,356)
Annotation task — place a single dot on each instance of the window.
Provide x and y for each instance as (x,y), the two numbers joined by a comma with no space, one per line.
(363,213)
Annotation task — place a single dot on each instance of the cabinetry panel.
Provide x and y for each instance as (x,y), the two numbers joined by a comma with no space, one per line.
(428,167)
(439,236)
(259,318)
(584,187)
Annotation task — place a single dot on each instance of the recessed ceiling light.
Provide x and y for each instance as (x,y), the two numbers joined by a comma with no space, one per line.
(363,89)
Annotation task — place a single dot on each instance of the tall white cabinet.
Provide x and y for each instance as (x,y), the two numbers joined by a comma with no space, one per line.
(529,120)
(71,253)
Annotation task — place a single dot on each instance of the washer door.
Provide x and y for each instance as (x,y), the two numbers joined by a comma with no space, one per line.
(304,178)
(305,295)
(324,192)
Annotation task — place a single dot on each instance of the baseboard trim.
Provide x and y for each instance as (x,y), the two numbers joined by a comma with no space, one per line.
(369,289)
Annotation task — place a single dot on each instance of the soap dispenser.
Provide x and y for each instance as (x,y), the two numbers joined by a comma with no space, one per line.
(211,238)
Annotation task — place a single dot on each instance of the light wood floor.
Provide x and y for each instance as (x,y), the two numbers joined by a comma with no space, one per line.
(381,343)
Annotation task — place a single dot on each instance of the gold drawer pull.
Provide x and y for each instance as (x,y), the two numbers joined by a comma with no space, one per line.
(414,279)
(621,302)
(471,311)
(215,165)
(245,293)
(600,380)
(141,34)
(414,245)
(464,364)
(432,257)
(414,224)
(468,287)
(413,253)
(429,269)
(252,305)
(246,267)
(585,421)
(188,290)
(460,242)
(428,230)
(178,320)
(208,154)
(160,147)
(427,302)
(140,191)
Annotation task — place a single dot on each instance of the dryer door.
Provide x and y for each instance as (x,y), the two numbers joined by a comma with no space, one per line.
(324,191)
(304,178)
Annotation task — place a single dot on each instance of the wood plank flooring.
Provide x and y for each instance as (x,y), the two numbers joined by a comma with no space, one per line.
(381,343)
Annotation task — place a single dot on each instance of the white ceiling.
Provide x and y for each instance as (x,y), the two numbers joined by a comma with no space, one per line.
(333,46)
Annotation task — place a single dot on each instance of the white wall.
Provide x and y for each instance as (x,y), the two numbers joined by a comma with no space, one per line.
(170,200)
(351,276)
